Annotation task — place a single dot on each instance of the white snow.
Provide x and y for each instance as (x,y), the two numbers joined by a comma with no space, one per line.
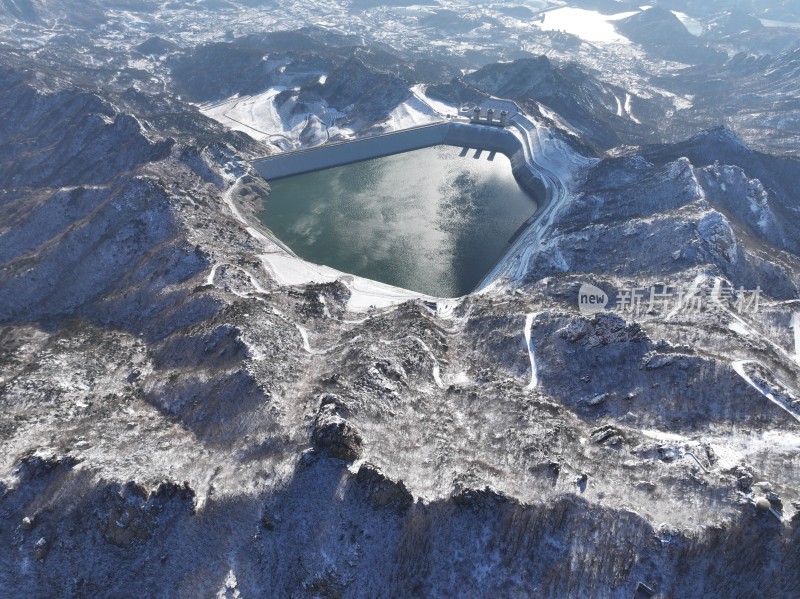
(436,370)
(365,293)
(738,327)
(441,108)
(304,335)
(628,112)
(529,344)
(256,285)
(255,115)
(666,437)
(411,113)
(212,274)
(446,307)
(229,589)
(254,282)
(306,343)
(462,378)
(262,119)
(772,23)
(290,270)
(796,330)
(694,26)
(141,63)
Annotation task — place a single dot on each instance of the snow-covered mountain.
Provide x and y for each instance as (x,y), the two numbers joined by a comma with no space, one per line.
(190,410)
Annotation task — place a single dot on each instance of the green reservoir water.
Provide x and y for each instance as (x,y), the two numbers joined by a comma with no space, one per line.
(431,220)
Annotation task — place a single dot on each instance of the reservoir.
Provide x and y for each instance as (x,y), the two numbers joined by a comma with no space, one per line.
(433,220)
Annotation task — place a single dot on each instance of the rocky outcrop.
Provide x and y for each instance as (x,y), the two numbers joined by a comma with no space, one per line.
(479,499)
(381,491)
(336,436)
(79,250)
(133,511)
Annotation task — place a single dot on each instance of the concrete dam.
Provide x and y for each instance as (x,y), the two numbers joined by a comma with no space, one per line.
(476,136)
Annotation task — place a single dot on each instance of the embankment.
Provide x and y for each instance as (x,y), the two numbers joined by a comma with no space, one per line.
(459,134)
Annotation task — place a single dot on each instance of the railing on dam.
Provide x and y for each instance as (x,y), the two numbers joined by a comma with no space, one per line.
(350,151)
(451,133)
(345,152)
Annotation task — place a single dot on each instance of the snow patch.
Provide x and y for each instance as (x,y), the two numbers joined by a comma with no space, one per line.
(365,293)
(441,108)
(263,119)
(411,113)
(230,588)
(446,308)
(738,328)
(774,23)
(437,377)
(628,104)
(692,25)
(666,437)
(529,344)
